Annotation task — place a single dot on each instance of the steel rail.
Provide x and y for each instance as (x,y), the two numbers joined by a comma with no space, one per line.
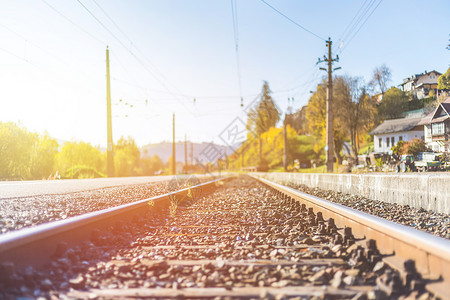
(399,242)
(36,246)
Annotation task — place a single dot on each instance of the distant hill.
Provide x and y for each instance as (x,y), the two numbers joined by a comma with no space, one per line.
(164,150)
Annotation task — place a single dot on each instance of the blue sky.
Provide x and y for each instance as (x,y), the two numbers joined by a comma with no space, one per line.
(52,57)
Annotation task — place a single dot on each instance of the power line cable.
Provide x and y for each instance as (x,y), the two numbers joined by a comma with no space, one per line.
(236,45)
(361,25)
(73,23)
(359,19)
(132,54)
(138,50)
(351,22)
(286,17)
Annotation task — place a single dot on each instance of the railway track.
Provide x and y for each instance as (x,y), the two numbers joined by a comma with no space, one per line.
(235,237)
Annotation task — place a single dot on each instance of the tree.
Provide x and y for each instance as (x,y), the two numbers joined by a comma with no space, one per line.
(316,113)
(265,115)
(151,165)
(79,155)
(415,146)
(359,110)
(394,104)
(381,77)
(16,145)
(127,158)
(43,158)
(444,80)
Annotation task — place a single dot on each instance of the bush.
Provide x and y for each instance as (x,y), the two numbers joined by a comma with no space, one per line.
(80,172)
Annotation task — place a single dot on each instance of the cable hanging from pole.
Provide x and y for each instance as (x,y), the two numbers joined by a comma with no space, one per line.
(292,21)
(236,46)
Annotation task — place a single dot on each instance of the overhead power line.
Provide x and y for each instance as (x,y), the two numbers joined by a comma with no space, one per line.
(367,14)
(139,60)
(73,23)
(236,46)
(292,21)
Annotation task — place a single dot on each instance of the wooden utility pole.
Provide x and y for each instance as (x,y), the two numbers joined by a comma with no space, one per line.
(329,148)
(185,155)
(285,143)
(174,160)
(192,154)
(109,149)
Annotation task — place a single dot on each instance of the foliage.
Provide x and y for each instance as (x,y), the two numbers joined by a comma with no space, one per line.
(394,104)
(400,148)
(127,158)
(80,172)
(151,165)
(444,80)
(16,145)
(359,109)
(25,155)
(316,113)
(265,115)
(379,162)
(415,146)
(80,154)
(420,103)
(381,77)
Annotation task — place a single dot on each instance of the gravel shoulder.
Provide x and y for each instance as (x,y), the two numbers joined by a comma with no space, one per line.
(20,212)
(421,219)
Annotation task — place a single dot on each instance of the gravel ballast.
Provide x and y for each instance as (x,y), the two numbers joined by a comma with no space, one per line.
(18,213)
(242,237)
(428,221)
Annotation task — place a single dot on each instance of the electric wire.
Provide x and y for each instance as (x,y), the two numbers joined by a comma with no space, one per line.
(292,21)
(361,26)
(73,23)
(236,45)
(135,47)
(350,26)
(132,53)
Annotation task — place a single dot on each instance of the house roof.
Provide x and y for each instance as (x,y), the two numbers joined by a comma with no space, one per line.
(396,125)
(416,77)
(432,118)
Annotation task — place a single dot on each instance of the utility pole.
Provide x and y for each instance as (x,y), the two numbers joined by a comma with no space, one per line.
(192,153)
(109,149)
(285,143)
(185,155)
(174,160)
(329,148)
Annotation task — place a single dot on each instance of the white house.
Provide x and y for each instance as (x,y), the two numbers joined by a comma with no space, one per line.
(388,133)
(437,128)
(419,85)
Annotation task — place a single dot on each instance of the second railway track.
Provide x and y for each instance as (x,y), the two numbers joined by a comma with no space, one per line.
(237,238)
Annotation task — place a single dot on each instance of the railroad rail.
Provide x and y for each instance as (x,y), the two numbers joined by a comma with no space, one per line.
(229,237)
(400,243)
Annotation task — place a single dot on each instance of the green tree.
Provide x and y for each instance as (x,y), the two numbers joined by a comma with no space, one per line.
(16,145)
(43,158)
(316,113)
(359,109)
(444,80)
(265,115)
(79,154)
(393,105)
(127,158)
(415,146)
(150,165)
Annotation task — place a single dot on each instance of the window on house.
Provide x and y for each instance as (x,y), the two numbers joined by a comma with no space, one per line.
(437,128)
(387,142)
(392,141)
(400,138)
(380,142)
